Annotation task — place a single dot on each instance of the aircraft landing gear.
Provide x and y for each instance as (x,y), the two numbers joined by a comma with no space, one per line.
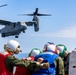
(16,36)
(3,34)
(23,31)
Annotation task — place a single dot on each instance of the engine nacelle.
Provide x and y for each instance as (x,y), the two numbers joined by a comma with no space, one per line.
(36,27)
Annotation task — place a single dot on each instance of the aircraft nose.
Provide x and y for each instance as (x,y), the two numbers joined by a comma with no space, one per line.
(24,27)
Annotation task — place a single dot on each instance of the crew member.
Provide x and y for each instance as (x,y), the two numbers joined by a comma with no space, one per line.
(65,56)
(50,55)
(8,61)
(25,71)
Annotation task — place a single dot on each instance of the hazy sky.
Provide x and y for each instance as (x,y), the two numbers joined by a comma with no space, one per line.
(59,28)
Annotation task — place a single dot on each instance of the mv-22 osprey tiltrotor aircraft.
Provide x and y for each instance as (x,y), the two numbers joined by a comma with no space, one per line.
(15,28)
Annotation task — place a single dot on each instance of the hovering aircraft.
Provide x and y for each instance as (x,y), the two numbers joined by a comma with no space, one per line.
(15,28)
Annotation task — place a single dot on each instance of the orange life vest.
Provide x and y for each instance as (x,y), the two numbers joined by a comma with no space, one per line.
(22,70)
(3,69)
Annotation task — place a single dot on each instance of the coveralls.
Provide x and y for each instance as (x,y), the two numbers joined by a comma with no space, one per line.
(7,62)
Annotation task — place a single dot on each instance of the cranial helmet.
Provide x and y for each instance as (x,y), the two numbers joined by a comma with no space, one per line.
(12,45)
(50,47)
(62,49)
(34,52)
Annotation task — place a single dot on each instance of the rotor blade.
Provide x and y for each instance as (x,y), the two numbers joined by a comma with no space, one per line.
(5,22)
(25,14)
(3,5)
(34,14)
(36,11)
(44,15)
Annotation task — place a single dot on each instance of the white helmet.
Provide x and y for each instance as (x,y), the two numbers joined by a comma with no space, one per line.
(13,45)
(34,52)
(50,46)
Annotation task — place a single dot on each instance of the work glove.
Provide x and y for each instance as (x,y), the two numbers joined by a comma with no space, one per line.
(45,65)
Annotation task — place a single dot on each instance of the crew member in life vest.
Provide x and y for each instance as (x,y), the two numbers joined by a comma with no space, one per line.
(50,55)
(25,71)
(65,56)
(8,61)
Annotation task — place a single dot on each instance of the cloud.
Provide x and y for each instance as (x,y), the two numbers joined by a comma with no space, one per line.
(69,32)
